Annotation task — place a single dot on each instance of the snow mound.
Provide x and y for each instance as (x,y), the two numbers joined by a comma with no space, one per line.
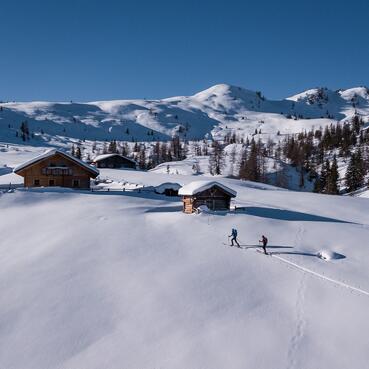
(330,255)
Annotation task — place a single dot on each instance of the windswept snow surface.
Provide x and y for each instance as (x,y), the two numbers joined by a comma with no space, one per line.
(126,280)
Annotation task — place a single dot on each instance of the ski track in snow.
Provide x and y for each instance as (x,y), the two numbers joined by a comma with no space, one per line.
(297,242)
(311,272)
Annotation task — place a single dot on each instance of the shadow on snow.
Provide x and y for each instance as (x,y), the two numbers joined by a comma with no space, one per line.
(165,209)
(287,215)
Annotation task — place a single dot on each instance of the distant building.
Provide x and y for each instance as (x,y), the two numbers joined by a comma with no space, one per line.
(214,195)
(168,189)
(113,161)
(56,168)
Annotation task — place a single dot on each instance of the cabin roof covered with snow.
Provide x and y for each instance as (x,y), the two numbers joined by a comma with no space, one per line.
(167,186)
(105,156)
(200,186)
(52,152)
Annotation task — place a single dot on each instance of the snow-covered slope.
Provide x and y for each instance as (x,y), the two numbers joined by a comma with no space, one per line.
(126,280)
(216,111)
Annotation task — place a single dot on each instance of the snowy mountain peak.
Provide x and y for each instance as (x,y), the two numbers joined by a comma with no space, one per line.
(312,96)
(355,92)
(226,91)
(323,94)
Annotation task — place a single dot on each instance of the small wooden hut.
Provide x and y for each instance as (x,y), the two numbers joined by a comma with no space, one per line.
(168,189)
(214,195)
(56,168)
(114,161)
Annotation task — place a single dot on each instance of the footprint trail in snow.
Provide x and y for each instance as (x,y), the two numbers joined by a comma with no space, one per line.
(300,326)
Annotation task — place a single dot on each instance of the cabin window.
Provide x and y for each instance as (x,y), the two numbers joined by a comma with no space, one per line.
(51,182)
(75,183)
(36,182)
(57,171)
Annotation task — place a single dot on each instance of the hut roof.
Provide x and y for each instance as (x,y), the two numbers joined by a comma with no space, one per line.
(200,186)
(52,152)
(167,186)
(105,156)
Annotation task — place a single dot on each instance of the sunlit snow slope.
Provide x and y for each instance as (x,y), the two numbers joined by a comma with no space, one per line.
(215,112)
(126,280)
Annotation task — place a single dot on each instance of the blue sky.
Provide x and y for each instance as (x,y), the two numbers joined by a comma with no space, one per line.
(86,50)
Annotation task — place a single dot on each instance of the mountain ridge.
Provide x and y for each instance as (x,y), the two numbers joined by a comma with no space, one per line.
(212,112)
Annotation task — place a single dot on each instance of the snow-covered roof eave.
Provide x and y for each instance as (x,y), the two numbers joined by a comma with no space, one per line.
(199,186)
(50,153)
(167,186)
(105,156)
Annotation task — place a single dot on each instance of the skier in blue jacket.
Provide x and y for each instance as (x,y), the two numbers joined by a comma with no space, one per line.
(234,237)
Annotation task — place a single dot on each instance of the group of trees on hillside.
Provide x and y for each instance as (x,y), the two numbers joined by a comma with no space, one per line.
(147,155)
(313,153)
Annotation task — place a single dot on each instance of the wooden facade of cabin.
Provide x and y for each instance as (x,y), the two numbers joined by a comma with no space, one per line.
(115,161)
(215,198)
(56,170)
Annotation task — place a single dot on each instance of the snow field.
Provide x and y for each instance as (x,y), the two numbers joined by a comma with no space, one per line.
(91,280)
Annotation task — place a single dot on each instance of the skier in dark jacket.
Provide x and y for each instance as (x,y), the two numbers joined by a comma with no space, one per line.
(234,237)
(264,241)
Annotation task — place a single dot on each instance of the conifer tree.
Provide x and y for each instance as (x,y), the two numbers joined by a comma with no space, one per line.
(142,157)
(251,170)
(321,181)
(113,147)
(232,160)
(332,179)
(355,172)
(216,159)
(105,148)
(78,153)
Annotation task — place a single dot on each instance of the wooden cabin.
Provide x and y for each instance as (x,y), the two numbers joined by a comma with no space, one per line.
(213,194)
(56,168)
(113,161)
